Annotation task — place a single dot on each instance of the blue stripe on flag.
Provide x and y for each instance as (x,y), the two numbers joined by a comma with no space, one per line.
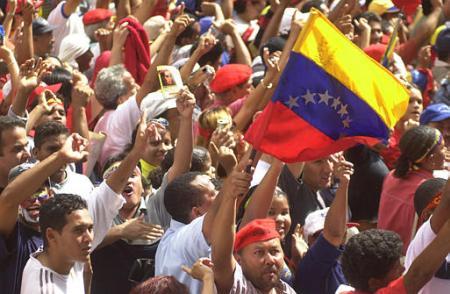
(325,103)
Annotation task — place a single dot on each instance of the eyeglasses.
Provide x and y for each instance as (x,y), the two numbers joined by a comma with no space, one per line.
(162,121)
(40,196)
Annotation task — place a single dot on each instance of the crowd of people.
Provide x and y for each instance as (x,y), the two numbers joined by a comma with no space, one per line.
(111,183)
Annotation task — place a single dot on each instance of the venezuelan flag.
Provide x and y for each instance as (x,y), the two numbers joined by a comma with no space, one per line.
(330,97)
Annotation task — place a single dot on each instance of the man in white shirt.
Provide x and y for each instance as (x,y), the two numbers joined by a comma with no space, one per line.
(67,230)
(428,232)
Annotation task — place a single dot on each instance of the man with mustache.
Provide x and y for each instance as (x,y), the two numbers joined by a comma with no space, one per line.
(257,259)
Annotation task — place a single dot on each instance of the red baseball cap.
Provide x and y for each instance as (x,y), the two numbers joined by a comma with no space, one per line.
(96,15)
(41,88)
(257,230)
(230,76)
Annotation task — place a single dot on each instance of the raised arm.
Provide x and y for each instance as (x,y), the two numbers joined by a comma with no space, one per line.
(31,180)
(336,219)
(205,44)
(224,228)
(70,7)
(30,75)
(261,199)
(120,35)
(26,51)
(151,78)
(119,178)
(8,57)
(262,92)
(81,93)
(8,21)
(274,23)
(185,143)
(145,10)
(241,51)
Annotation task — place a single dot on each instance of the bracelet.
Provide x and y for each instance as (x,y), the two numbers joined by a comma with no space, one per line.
(268,86)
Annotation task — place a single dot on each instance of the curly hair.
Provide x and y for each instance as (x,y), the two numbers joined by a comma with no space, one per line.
(370,254)
(415,145)
(160,284)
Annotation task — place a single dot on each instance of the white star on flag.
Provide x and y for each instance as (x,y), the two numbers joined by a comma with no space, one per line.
(346,122)
(292,102)
(343,111)
(309,97)
(336,103)
(324,98)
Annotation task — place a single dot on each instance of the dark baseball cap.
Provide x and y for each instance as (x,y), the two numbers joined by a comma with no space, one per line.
(41,26)
(443,41)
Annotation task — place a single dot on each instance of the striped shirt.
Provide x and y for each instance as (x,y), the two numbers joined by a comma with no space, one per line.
(40,279)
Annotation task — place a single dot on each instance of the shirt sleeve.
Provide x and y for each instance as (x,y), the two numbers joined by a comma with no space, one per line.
(314,268)
(103,205)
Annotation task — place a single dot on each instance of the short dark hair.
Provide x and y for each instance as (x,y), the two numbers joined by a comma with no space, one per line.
(61,75)
(53,212)
(370,16)
(161,285)
(8,123)
(48,129)
(370,254)
(181,196)
(426,192)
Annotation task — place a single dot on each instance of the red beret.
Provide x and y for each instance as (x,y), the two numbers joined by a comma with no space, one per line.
(96,15)
(376,51)
(230,76)
(256,231)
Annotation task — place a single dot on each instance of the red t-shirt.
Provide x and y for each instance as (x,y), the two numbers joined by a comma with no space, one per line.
(395,287)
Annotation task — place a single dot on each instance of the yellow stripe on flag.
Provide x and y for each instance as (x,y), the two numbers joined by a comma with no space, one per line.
(324,44)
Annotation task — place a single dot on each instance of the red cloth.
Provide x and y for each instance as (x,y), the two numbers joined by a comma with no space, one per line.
(428,87)
(392,152)
(395,287)
(229,76)
(397,211)
(407,6)
(96,15)
(281,132)
(257,230)
(137,50)
(37,91)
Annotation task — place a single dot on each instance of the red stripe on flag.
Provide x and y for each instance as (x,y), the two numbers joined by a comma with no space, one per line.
(283,134)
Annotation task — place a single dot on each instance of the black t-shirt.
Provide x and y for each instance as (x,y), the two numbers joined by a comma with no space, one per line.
(111,266)
(302,201)
(14,254)
(367,181)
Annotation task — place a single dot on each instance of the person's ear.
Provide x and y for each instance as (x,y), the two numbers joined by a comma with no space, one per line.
(34,152)
(51,235)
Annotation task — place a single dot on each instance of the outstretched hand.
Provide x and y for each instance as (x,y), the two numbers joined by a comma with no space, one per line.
(74,149)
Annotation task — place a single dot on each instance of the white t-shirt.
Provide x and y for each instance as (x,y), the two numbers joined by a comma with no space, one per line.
(74,184)
(182,245)
(118,125)
(423,238)
(41,279)
(103,205)
(64,25)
